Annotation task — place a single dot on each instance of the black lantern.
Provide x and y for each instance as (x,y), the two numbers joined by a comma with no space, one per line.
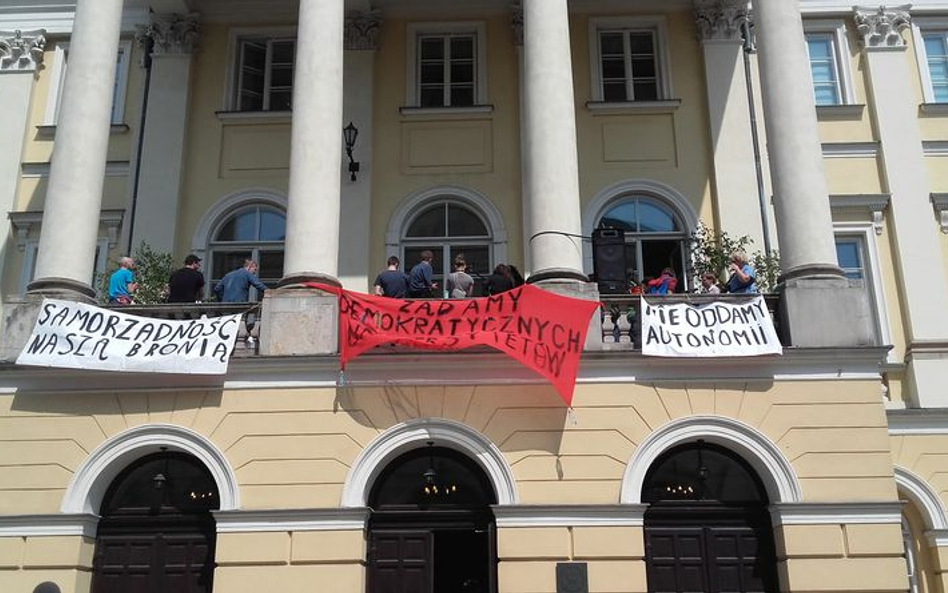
(350,133)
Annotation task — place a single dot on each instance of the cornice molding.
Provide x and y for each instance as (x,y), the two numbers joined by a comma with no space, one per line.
(171,34)
(874,203)
(836,513)
(720,20)
(940,203)
(83,524)
(881,27)
(918,421)
(258,521)
(23,222)
(22,51)
(362,30)
(604,515)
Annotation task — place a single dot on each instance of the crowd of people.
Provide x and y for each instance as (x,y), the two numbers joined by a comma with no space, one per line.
(419,283)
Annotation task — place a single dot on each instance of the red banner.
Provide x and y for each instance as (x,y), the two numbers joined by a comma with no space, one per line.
(542,330)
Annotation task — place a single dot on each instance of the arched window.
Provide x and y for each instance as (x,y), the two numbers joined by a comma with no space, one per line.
(655,236)
(157,532)
(448,228)
(255,232)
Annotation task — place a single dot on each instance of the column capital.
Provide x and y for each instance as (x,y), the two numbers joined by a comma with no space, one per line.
(362,29)
(882,27)
(516,22)
(22,51)
(171,34)
(719,20)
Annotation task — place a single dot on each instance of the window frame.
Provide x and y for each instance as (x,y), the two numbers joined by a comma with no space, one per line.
(255,247)
(31,250)
(835,31)
(415,31)
(658,25)
(233,74)
(864,233)
(57,80)
(922,26)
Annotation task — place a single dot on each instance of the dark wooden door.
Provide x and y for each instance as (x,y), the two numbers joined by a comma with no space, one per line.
(400,561)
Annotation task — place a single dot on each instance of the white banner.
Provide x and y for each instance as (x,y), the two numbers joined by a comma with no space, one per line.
(77,336)
(713,329)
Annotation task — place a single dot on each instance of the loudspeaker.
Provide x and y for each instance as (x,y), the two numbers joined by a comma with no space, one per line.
(609,262)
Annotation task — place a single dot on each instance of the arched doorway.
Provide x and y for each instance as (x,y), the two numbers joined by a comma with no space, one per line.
(431,527)
(156,531)
(707,527)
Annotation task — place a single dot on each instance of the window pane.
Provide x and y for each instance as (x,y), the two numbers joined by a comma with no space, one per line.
(643,68)
(645,91)
(661,254)
(462,48)
(272,226)
(462,96)
(283,52)
(620,217)
(462,72)
(431,48)
(432,73)
(464,223)
(281,76)
(654,219)
(281,100)
(242,227)
(254,55)
(250,101)
(429,223)
(432,96)
(226,261)
(611,44)
(825,95)
(642,43)
(848,256)
(271,267)
(613,69)
(819,47)
(614,91)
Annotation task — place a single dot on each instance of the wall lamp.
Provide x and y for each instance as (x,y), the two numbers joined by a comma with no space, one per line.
(350,133)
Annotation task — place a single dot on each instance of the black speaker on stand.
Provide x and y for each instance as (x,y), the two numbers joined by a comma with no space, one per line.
(609,262)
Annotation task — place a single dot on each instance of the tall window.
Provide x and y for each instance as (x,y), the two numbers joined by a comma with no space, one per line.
(936,60)
(446,70)
(824,66)
(628,65)
(448,228)
(655,237)
(265,74)
(58,79)
(852,257)
(253,232)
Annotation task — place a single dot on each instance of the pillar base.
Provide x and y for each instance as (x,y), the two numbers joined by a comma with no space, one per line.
(559,275)
(587,291)
(812,271)
(62,288)
(298,279)
(19,317)
(298,322)
(825,312)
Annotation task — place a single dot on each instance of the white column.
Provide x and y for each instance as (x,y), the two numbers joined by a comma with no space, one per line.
(17,72)
(801,197)
(155,213)
(312,218)
(924,284)
(735,177)
(551,176)
(361,34)
(71,212)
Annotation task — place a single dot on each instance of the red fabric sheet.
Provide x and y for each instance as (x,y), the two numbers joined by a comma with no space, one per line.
(542,330)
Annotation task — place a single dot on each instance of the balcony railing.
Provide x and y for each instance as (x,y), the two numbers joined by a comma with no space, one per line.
(621,315)
(249,312)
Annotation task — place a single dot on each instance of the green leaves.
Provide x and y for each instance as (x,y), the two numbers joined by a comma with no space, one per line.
(152,270)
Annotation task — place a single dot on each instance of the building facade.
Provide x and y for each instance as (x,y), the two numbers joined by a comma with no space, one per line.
(508,133)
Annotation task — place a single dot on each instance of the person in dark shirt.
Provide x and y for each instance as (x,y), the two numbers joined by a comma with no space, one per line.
(421,282)
(500,281)
(392,282)
(186,284)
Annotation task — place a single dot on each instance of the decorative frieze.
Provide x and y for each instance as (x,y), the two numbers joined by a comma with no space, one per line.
(22,51)
(362,29)
(882,27)
(171,34)
(719,20)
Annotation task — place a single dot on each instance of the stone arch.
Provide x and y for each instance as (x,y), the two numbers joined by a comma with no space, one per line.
(468,196)
(92,479)
(614,193)
(415,433)
(774,470)
(225,206)
(924,497)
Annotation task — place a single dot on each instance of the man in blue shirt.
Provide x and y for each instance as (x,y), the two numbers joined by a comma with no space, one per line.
(122,283)
(392,282)
(234,287)
(421,282)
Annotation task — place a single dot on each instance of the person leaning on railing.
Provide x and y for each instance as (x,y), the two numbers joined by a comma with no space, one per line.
(743,278)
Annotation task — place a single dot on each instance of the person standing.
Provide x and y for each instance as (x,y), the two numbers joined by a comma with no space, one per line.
(743,278)
(234,287)
(392,282)
(185,285)
(499,281)
(709,284)
(122,283)
(421,282)
(459,283)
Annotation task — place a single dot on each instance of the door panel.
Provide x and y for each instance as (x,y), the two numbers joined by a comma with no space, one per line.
(400,561)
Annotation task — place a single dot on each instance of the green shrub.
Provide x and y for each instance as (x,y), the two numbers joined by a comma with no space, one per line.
(711,252)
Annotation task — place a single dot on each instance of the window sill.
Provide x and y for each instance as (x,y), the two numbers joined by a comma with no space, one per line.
(934,108)
(49,130)
(838,112)
(663,106)
(255,117)
(472,110)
